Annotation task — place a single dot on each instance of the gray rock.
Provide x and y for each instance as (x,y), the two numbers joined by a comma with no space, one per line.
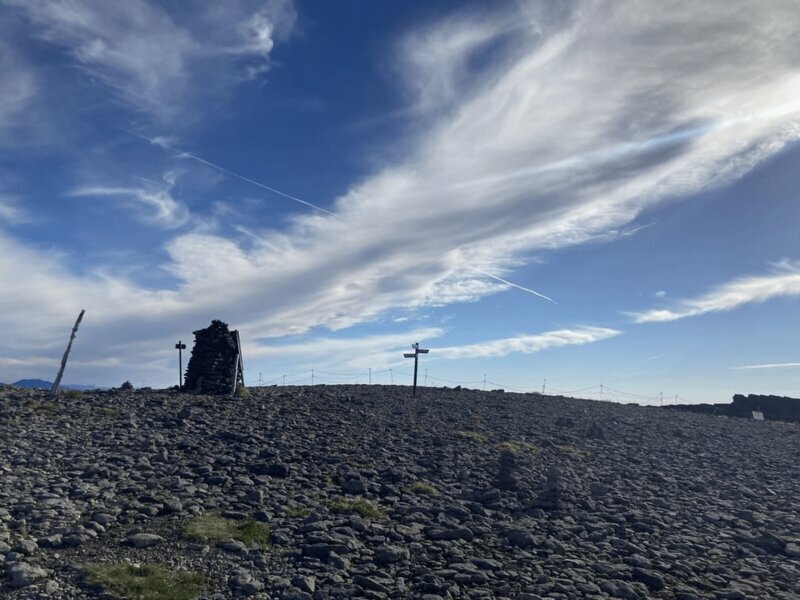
(456,533)
(305,583)
(231,545)
(520,538)
(143,540)
(390,554)
(23,574)
(27,547)
(354,486)
(293,593)
(653,581)
(244,584)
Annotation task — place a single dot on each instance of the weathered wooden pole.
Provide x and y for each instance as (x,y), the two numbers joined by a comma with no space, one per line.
(180,346)
(238,367)
(57,382)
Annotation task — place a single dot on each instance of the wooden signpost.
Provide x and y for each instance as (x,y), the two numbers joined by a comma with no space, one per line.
(415,356)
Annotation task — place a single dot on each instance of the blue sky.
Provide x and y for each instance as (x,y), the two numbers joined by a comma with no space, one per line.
(340,181)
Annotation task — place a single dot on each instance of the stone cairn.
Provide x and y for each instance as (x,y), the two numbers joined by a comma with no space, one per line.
(215,364)
(596,431)
(552,496)
(506,473)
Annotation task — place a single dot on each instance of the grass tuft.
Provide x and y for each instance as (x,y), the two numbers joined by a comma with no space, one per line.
(422,487)
(517,447)
(112,412)
(144,582)
(212,527)
(297,513)
(572,450)
(474,436)
(365,508)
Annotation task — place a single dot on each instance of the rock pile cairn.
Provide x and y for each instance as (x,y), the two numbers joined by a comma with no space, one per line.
(506,472)
(596,431)
(552,495)
(212,366)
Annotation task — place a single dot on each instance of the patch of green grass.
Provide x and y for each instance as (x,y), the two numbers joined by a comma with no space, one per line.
(241,391)
(212,527)
(73,394)
(517,447)
(112,412)
(422,487)
(365,508)
(474,436)
(144,582)
(572,450)
(47,407)
(297,513)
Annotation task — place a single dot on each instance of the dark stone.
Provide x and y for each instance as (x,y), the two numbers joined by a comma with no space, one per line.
(653,581)
(271,469)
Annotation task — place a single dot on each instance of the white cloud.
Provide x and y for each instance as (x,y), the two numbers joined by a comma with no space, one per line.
(18,87)
(783,281)
(369,351)
(435,59)
(660,294)
(162,209)
(384,350)
(527,344)
(10,211)
(156,57)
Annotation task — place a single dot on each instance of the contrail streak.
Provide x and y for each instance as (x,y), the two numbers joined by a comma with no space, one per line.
(519,287)
(221,169)
(769,366)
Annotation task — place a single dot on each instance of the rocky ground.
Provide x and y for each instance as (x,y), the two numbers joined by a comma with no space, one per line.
(482,494)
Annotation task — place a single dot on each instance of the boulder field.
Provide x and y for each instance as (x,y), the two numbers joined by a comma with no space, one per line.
(364,492)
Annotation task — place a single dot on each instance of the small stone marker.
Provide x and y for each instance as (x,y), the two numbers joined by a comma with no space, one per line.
(758,415)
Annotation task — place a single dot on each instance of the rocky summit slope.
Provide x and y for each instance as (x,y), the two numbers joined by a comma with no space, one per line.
(368,493)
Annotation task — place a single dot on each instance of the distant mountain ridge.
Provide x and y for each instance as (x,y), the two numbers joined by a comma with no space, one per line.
(41,383)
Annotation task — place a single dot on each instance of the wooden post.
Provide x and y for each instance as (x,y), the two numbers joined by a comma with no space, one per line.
(241,362)
(415,356)
(57,382)
(235,374)
(238,368)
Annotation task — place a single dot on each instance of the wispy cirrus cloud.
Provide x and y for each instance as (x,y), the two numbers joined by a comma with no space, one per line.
(161,208)
(384,350)
(156,57)
(346,352)
(528,344)
(783,281)
(18,87)
(11,212)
